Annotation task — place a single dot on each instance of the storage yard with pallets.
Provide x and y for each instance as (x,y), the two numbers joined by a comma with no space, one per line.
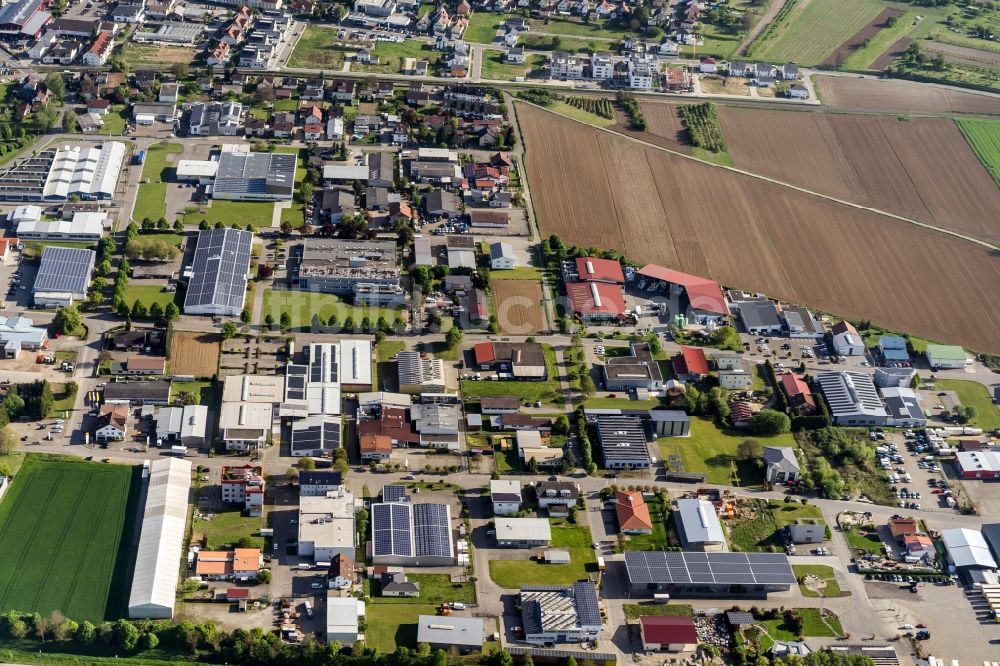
(66,532)
(921,168)
(595,189)
(194,353)
(518,305)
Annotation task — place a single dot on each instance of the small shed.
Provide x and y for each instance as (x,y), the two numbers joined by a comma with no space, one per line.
(555,556)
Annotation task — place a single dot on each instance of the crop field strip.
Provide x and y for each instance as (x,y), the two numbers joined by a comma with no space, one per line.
(64,523)
(815,29)
(921,169)
(984,139)
(595,188)
(899,96)
(862,37)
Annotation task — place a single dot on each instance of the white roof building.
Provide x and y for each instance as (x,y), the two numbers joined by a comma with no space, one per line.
(356,363)
(254,388)
(88,171)
(22,213)
(326,525)
(197,169)
(342,618)
(967,548)
(154,583)
(853,398)
(85,226)
(699,524)
(523,529)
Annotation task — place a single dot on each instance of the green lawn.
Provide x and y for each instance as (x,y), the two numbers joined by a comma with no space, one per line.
(658,539)
(868,542)
(390,625)
(717,44)
(290,104)
(568,44)
(495,69)
(228,527)
(151,200)
(295,215)
(434,589)
(62,401)
(258,213)
(544,391)
(812,625)
(759,534)
(557,26)
(301,305)
(787,514)
(66,529)
(391,56)
(203,389)
(511,574)
(712,450)
(519,273)
(815,32)
(620,403)
(635,611)
(883,39)
(148,294)
(984,138)
(483,27)
(820,571)
(316,49)
(114,120)
(973,394)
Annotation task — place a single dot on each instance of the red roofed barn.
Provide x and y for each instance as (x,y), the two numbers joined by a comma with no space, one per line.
(691,363)
(703,296)
(596,301)
(668,634)
(592,269)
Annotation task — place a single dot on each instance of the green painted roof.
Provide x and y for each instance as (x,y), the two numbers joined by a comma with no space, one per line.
(941,352)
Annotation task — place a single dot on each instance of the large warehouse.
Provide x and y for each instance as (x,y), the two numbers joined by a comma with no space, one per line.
(687,574)
(255,176)
(89,172)
(413,535)
(154,583)
(63,276)
(218,273)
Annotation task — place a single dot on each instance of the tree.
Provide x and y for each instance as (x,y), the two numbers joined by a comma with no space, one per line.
(587,384)
(561,425)
(155,311)
(178,226)
(245,316)
(56,85)
(126,635)
(286,321)
(67,320)
(149,641)
(69,122)
(86,633)
(269,321)
(749,449)
(228,330)
(72,388)
(264,576)
(770,422)
(179,70)
(453,338)
(8,441)
(139,310)
(171,312)
(307,463)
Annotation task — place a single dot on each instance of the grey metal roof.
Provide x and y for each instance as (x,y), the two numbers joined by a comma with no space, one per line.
(758,314)
(699,521)
(154,391)
(708,568)
(221,263)
(850,393)
(622,438)
(501,250)
(775,454)
(64,269)
(255,173)
(554,608)
(460,631)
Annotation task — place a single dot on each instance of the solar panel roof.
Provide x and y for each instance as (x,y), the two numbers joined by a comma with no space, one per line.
(220,267)
(64,269)
(316,433)
(432,529)
(394,493)
(392,532)
(708,568)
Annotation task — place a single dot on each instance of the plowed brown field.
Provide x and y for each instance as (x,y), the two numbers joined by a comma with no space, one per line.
(749,233)
(859,39)
(871,94)
(194,353)
(922,168)
(518,305)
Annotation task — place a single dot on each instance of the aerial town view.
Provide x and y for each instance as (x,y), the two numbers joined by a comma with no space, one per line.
(500,332)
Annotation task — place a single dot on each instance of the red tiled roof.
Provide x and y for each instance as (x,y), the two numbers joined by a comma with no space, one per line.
(691,361)
(740,412)
(483,352)
(581,295)
(633,514)
(666,630)
(795,386)
(844,327)
(600,270)
(702,293)
(237,593)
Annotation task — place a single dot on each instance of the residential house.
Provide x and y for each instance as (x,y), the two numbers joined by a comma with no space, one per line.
(112,423)
(633,513)
(690,364)
(798,393)
(781,464)
(505,495)
(395,584)
(501,256)
(244,485)
(99,52)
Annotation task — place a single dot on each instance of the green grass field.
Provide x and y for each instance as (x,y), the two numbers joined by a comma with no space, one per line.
(482,27)
(984,138)
(148,294)
(519,273)
(560,27)
(66,531)
(569,44)
(495,69)
(301,305)
(258,213)
(817,30)
(883,39)
(570,111)
(712,450)
(544,391)
(114,120)
(868,542)
(228,527)
(787,514)
(316,49)
(832,588)
(390,625)
(812,625)
(391,55)
(203,389)
(635,611)
(151,200)
(973,394)
(511,574)
(434,589)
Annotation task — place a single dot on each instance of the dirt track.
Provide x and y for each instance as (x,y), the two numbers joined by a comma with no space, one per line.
(594,188)
(891,53)
(897,96)
(922,168)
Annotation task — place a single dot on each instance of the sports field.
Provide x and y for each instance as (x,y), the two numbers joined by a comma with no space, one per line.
(66,529)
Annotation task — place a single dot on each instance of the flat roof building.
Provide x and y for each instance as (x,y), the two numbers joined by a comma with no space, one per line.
(967,549)
(83,227)
(366,270)
(245,426)
(185,425)
(161,539)
(557,614)
(356,364)
(407,534)
(523,532)
(254,388)
(218,273)
(623,442)
(687,574)
(316,436)
(343,617)
(636,370)
(853,398)
(255,176)
(698,526)
(464,633)
(326,525)
(419,373)
(63,276)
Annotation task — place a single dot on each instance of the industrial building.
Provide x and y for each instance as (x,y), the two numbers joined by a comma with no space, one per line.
(523,532)
(698,300)
(316,436)
(512,360)
(406,534)
(254,388)
(83,227)
(967,549)
(186,426)
(89,172)
(326,525)
(218,273)
(17,333)
(636,370)
(313,385)
(365,270)
(852,398)
(687,574)
(215,119)
(343,617)
(466,634)
(623,442)
(556,614)
(245,426)
(63,276)
(356,365)
(161,540)
(255,176)
(698,526)
(420,373)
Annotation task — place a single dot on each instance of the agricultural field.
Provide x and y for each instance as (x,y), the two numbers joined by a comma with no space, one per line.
(984,138)
(317,49)
(921,168)
(151,200)
(870,94)
(563,108)
(815,29)
(597,189)
(518,306)
(664,123)
(888,21)
(66,538)
(194,353)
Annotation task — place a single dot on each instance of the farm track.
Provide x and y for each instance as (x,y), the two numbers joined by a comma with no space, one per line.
(755,232)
